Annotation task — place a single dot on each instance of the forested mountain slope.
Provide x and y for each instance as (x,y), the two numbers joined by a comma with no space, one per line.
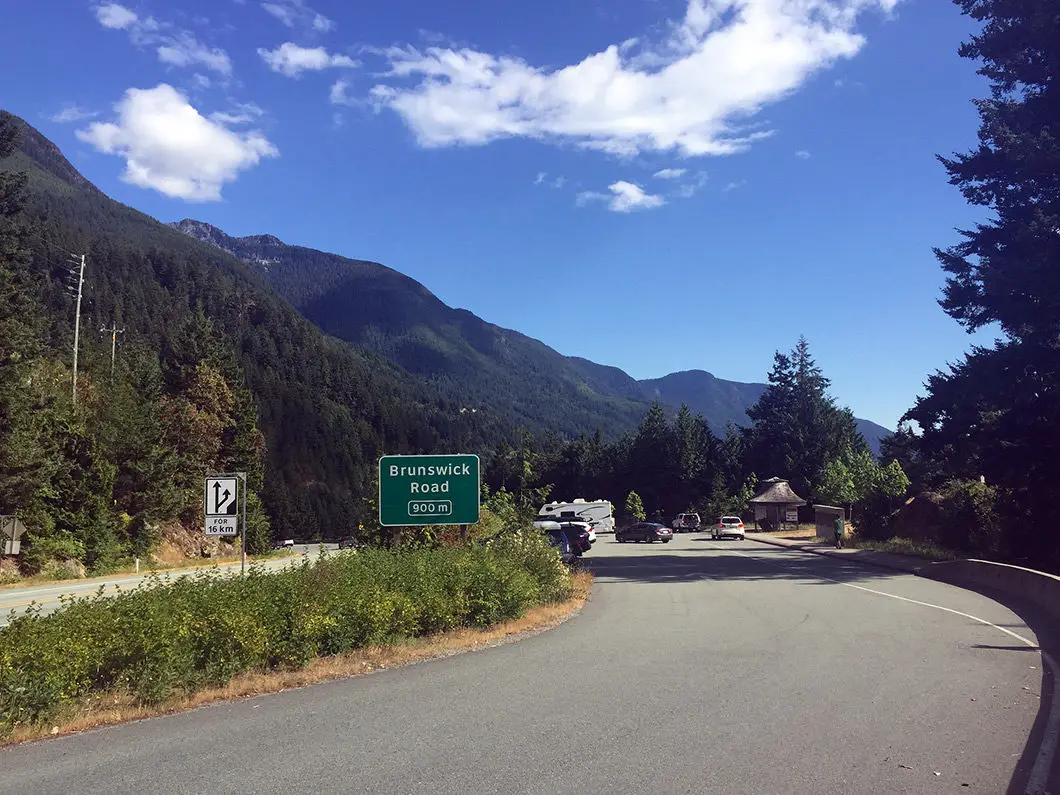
(326,408)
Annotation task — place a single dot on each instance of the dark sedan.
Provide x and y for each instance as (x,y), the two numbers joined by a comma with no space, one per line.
(644,531)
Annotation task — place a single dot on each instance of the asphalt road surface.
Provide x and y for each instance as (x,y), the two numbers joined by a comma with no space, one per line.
(14,601)
(698,666)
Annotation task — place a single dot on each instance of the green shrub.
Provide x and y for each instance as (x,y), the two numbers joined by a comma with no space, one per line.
(202,629)
(969,518)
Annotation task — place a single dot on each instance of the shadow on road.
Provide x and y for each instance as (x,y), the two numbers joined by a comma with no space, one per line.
(714,564)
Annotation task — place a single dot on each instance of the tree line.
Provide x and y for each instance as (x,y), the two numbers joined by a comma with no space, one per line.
(673,462)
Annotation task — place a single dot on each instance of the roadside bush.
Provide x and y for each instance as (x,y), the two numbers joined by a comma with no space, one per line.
(969,518)
(170,636)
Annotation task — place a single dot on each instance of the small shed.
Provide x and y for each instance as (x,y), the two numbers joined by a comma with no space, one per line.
(824,516)
(776,504)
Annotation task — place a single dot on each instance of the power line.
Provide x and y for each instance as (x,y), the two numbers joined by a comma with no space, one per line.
(77,321)
(114,331)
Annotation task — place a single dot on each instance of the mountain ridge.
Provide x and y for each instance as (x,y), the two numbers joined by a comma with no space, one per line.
(361,301)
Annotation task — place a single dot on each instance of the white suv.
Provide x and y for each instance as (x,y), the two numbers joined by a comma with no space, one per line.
(728,526)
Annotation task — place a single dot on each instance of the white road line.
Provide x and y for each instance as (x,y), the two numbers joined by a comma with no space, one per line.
(1043,763)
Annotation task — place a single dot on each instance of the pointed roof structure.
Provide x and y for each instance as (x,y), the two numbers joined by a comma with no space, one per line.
(776,491)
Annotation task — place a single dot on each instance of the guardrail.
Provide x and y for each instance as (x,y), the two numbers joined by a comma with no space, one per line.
(1036,587)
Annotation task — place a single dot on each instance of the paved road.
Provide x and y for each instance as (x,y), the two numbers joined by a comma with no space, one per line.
(14,601)
(697,666)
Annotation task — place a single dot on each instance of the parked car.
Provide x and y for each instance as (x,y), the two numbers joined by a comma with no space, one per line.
(542,523)
(577,537)
(283,544)
(558,539)
(729,526)
(588,528)
(644,531)
(348,543)
(687,523)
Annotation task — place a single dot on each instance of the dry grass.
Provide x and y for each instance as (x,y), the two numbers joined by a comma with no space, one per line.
(802,532)
(905,546)
(112,708)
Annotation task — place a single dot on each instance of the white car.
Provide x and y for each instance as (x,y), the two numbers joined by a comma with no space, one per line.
(728,526)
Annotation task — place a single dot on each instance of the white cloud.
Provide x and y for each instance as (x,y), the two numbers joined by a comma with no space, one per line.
(174,46)
(802,154)
(185,50)
(587,197)
(71,113)
(201,81)
(670,173)
(282,13)
(559,182)
(295,13)
(340,95)
(693,186)
(693,93)
(735,185)
(291,60)
(241,113)
(116,17)
(628,197)
(540,177)
(624,197)
(170,147)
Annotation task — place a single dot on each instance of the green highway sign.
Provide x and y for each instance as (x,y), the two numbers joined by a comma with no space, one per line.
(428,489)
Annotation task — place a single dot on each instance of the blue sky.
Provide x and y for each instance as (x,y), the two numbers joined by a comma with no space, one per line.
(658,185)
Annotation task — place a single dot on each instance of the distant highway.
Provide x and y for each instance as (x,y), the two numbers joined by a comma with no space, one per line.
(49,596)
(697,666)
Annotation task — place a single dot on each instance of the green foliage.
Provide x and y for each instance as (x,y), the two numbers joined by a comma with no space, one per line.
(994,413)
(635,507)
(850,477)
(797,428)
(740,503)
(892,481)
(169,636)
(970,519)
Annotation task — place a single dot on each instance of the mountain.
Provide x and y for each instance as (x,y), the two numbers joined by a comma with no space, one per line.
(722,402)
(326,409)
(521,378)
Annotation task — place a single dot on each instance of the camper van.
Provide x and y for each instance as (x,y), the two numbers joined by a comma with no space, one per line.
(600,514)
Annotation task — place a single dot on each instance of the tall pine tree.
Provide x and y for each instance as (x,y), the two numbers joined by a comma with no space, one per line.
(797,428)
(995,413)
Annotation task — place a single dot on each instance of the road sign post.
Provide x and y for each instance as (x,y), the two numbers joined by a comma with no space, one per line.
(428,490)
(222,501)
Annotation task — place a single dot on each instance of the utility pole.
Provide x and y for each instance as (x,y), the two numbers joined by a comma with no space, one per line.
(77,321)
(114,332)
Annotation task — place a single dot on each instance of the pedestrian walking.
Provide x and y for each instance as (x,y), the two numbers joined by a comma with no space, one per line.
(838,526)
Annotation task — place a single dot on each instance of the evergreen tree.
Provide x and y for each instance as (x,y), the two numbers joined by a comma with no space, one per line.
(797,428)
(994,413)
(635,507)
(20,458)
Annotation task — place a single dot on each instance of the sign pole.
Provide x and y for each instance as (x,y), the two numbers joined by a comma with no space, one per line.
(243,565)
